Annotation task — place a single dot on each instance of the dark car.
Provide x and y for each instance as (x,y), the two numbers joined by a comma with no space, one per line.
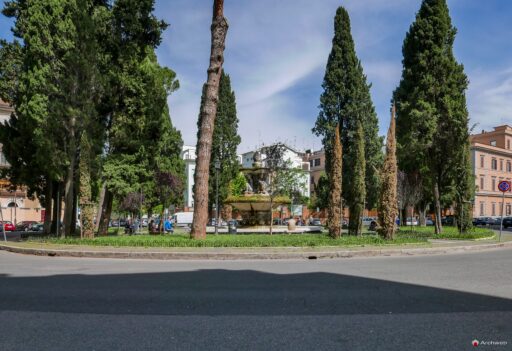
(479,221)
(37,227)
(448,220)
(315,221)
(24,226)
(507,222)
(278,221)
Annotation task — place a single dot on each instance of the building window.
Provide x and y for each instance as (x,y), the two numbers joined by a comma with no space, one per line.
(482,161)
(317,162)
(493,186)
(493,142)
(501,165)
(310,163)
(494,164)
(482,183)
(493,209)
(509,210)
(509,166)
(482,208)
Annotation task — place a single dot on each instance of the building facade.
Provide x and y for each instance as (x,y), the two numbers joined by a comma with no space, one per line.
(316,160)
(491,154)
(188,154)
(14,204)
(296,159)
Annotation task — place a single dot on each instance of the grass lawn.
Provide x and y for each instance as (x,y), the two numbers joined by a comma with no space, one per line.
(419,235)
(448,233)
(227,240)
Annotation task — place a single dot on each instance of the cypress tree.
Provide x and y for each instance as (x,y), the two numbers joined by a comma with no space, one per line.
(334,207)
(225,142)
(357,190)
(346,102)
(388,204)
(432,118)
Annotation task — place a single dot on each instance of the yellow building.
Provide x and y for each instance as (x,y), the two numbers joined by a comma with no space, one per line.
(492,163)
(15,205)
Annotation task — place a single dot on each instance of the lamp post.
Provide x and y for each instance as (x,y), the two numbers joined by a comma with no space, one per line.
(217,168)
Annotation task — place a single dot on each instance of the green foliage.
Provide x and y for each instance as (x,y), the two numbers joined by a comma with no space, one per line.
(432,118)
(238,185)
(346,101)
(451,233)
(322,192)
(257,198)
(245,240)
(356,192)
(225,142)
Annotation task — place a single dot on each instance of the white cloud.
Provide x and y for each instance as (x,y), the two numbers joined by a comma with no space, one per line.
(489,98)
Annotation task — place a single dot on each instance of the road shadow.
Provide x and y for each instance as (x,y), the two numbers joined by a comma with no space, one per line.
(233,292)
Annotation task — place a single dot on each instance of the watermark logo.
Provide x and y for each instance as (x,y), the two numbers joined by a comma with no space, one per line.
(482,343)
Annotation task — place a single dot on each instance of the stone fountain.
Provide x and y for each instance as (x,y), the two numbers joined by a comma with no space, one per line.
(254,204)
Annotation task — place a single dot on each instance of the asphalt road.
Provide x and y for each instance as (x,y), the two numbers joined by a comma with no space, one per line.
(387,303)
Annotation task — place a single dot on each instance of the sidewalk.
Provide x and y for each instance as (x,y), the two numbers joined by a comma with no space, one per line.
(260,253)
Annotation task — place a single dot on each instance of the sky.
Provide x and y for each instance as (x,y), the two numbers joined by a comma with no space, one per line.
(276,52)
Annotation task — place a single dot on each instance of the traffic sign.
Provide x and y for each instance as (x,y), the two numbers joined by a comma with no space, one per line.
(504,186)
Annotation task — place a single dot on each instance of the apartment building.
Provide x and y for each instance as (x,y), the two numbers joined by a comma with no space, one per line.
(14,204)
(491,154)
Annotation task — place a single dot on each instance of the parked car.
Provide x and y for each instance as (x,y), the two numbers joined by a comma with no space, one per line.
(7,226)
(429,221)
(315,222)
(277,221)
(367,221)
(448,220)
(24,226)
(507,222)
(411,221)
(37,227)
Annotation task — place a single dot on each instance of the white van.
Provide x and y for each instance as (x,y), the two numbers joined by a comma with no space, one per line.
(183,219)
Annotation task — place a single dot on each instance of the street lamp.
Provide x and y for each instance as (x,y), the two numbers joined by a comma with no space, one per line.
(217,168)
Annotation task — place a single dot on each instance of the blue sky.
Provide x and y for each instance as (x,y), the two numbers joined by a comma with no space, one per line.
(276,53)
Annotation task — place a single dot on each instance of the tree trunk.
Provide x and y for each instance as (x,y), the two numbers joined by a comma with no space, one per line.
(48,199)
(100,207)
(334,218)
(106,211)
(69,193)
(85,191)
(56,207)
(422,211)
(437,207)
(271,214)
(208,113)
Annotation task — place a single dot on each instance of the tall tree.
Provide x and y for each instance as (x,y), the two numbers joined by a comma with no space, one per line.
(346,102)
(356,192)
(139,124)
(432,117)
(209,102)
(335,215)
(388,202)
(225,142)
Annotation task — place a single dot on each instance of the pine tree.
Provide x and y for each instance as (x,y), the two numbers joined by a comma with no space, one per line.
(334,207)
(224,143)
(346,101)
(432,118)
(388,204)
(208,112)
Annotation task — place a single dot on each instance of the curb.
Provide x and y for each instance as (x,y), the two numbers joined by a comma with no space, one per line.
(198,255)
